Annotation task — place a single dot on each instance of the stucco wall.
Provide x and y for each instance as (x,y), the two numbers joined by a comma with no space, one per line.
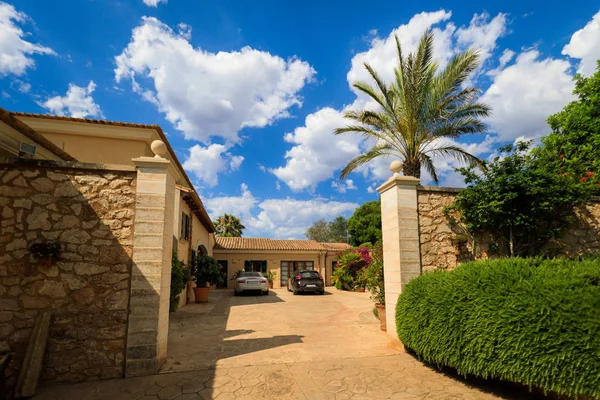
(445,245)
(90,213)
(236,262)
(100,149)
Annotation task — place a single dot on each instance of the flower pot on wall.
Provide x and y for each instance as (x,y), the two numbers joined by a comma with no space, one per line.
(381,313)
(201,294)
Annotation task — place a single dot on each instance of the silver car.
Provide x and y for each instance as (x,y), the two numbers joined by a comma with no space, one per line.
(251,281)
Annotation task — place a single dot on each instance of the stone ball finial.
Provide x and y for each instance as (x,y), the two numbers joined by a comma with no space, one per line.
(396,166)
(159,148)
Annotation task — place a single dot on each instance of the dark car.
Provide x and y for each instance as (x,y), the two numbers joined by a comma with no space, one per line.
(306,281)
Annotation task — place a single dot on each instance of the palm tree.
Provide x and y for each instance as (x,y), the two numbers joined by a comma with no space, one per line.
(228,225)
(418,110)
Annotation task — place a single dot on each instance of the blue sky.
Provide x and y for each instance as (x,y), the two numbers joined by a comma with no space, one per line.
(249,95)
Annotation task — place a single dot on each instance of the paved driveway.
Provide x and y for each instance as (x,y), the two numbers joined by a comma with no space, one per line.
(282,347)
(279,328)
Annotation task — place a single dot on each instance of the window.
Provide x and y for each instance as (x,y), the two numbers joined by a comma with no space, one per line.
(255,266)
(185,227)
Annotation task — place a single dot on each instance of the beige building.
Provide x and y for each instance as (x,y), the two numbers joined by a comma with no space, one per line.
(282,257)
(117,201)
(117,143)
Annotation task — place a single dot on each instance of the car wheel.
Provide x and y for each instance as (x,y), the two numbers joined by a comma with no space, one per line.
(266,293)
(322,292)
(235,292)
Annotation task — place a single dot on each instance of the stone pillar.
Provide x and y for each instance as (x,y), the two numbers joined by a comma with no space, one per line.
(151,273)
(400,226)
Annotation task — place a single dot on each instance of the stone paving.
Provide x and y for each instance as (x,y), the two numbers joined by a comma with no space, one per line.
(282,347)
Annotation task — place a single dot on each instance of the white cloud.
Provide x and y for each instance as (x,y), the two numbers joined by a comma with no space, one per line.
(343,186)
(23,87)
(585,45)
(15,51)
(382,54)
(277,185)
(317,153)
(210,94)
(525,93)
(505,58)
(482,34)
(207,162)
(240,206)
(78,102)
(154,3)
(276,218)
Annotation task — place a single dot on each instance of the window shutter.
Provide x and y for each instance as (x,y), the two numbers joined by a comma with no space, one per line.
(263,266)
(182,231)
(246,266)
(187,227)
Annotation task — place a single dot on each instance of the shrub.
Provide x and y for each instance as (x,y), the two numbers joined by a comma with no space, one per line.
(179,278)
(349,274)
(531,321)
(374,278)
(207,272)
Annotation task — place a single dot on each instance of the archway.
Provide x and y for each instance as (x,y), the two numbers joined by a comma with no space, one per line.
(202,251)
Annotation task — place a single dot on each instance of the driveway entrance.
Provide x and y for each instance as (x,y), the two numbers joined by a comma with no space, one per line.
(279,328)
(282,347)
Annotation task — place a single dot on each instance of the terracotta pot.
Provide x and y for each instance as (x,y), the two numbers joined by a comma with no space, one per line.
(381,312)
(201,294)
(270,285)
(361,290)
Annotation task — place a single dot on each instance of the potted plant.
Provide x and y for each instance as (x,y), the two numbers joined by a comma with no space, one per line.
(206,272)
(270,277)
(374,282)
(46,253)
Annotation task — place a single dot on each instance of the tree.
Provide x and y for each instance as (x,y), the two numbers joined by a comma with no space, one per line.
(573,147)
(518,200)
(318,231)
(338,230)
(364,226)
(228,225)
(419,111)
(328,232)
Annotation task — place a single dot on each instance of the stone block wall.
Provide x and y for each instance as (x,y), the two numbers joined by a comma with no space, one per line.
(89,211)
(444,244)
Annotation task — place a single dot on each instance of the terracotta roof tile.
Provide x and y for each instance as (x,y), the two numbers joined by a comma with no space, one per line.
(238,243)
(335,246)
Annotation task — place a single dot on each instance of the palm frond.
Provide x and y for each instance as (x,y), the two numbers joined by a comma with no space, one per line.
(427,162)
(374,152)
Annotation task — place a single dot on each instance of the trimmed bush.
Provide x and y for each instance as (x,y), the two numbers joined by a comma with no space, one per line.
(531,321)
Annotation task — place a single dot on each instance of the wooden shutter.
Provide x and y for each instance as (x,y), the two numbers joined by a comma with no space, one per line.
(182,231)
(246,266)
(263,266)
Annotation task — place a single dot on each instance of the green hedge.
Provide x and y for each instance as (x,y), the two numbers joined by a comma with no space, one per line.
(531,321)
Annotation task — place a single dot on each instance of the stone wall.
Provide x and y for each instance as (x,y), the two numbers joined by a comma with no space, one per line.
(89,211)
(445,244)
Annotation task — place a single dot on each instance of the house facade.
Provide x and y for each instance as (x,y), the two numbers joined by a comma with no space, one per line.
(281,257)
(117,143)
(117,201)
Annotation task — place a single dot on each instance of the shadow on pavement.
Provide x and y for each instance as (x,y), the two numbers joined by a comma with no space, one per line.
(199,339)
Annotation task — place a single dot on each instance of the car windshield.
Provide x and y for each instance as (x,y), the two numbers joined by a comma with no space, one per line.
(250,274)
(309,275)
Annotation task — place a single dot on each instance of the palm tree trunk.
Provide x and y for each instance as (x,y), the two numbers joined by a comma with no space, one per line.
(412,168)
